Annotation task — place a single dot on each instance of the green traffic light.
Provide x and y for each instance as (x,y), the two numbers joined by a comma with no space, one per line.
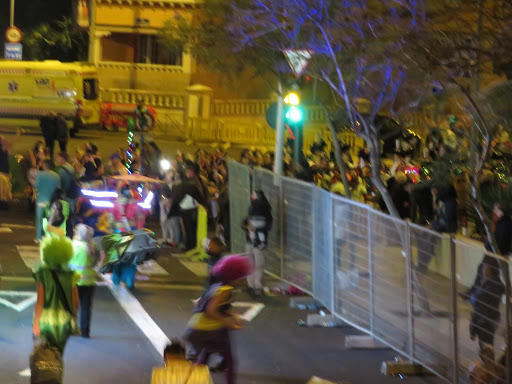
(295,115)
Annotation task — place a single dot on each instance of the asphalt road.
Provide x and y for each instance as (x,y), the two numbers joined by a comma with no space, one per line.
(128,330)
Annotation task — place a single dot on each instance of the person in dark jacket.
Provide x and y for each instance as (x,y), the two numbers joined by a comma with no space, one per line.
(486,306)
(400,196)
(62,132)
(445,208)
(185,198)
(48,124)
(258,224)
(503,236)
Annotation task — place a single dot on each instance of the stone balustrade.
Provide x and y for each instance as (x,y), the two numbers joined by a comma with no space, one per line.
(154,99)
(139,66)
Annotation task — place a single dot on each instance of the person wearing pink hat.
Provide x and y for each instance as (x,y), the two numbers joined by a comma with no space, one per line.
(208,331)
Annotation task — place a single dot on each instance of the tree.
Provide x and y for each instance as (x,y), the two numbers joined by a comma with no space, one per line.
(61,40)
(354,46)
(211,44)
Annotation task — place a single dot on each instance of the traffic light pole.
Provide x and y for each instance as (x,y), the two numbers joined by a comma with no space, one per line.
(297,145)
(278,158)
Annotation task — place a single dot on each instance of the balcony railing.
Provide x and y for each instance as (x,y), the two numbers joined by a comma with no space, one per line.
(154,99)
(139,66)
(256,107)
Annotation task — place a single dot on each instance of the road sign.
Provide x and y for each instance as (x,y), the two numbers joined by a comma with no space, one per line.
(271,115)
(298,59)
(13,51)
(13,35)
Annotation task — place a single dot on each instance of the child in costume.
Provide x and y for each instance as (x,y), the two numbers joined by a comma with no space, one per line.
(57,295)
(208,330)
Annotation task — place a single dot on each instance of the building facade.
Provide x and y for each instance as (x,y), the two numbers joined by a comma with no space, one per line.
(124,44)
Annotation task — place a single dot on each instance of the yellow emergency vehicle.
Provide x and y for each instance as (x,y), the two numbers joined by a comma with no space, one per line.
(31,89)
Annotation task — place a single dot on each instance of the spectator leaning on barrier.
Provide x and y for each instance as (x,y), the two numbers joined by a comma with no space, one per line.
(503,236)
(486,301)
(258,224)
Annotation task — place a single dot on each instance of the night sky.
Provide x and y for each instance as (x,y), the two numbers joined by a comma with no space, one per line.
(30,13)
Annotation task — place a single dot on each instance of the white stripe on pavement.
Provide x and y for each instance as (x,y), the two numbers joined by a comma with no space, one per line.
(19,279)
(151,268)
(30,255)
(31,298)
(139,316)
(25,373)
(252,312)
(17,226)
(198,268)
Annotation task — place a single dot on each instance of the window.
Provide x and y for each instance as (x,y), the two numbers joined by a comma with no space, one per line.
(91,89)
(148,51)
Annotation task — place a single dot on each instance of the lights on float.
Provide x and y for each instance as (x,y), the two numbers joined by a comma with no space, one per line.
(102,204)
(147,202)
(99,194)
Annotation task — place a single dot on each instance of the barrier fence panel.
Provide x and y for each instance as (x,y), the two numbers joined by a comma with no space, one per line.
(264,180)
(323,255)
(434,312)
(239,200)
(298,233)
(404,284)
(351,280)
(391,281)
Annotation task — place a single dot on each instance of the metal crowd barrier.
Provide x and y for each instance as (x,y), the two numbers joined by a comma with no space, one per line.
(403,284)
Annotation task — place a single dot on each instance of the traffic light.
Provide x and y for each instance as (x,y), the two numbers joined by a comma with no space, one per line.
(294,116)
(292,98)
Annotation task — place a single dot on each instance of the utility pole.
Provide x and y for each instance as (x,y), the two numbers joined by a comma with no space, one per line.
(12,14)
(278,159)
(92,33)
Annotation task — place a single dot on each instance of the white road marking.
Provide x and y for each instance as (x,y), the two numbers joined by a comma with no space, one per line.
(139,316)
(5,230)
(17,226)
(252,312)
(152,268)
(31,298)
(177,287)
(196,267)
(30,255)
(25,372)
(19,279)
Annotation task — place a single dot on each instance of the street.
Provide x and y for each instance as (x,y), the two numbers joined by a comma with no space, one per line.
(129,331)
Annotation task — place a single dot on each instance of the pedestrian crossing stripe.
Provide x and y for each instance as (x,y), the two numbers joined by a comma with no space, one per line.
(253,309)
(30,299)
(16,226)
(25,373)
(30,255)
(198,268)
(152,268)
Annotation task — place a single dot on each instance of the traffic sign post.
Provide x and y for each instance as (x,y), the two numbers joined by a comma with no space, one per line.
(13,35)
(13,51)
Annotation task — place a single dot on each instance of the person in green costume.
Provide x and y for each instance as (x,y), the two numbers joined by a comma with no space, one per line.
(57,295)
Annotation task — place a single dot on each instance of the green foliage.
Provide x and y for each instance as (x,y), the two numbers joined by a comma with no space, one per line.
(213,45)
(61,40)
